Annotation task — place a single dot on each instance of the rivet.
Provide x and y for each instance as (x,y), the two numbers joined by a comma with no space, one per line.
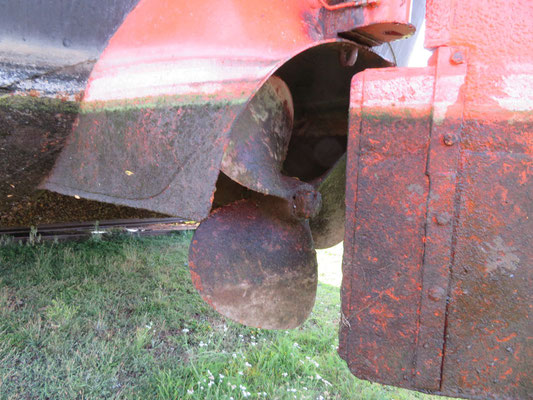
(457,58)
(443,218)
(436,293)
(348,56)
(449,139)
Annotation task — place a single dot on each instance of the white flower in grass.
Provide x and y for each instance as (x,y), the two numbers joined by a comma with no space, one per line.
(253,343)
(247,364)
(221,376)
(284,374)
(240,373)
(234,355)
(296,345)
(190,391)
(185,330)
(210,384)
(312,361)
(244,392)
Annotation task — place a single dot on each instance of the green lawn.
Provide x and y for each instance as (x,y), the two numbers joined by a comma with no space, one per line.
(119,318)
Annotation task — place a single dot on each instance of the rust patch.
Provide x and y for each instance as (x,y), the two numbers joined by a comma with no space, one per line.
(500,257)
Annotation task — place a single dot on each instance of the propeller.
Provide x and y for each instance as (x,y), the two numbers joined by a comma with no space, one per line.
(254,260)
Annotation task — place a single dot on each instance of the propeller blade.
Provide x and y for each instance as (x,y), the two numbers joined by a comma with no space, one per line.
(328,226)
(259,140)
(255,265)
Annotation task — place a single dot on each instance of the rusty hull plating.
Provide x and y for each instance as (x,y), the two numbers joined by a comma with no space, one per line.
(437,268)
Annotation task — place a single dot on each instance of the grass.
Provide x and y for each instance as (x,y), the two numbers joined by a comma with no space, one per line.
(120,319)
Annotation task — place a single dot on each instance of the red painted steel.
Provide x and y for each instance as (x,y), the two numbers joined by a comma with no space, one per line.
(439,238)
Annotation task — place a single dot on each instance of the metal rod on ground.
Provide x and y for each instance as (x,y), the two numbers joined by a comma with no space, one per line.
(83,230)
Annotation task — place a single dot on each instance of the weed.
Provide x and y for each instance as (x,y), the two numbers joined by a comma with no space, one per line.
(34,237)
(6,240)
